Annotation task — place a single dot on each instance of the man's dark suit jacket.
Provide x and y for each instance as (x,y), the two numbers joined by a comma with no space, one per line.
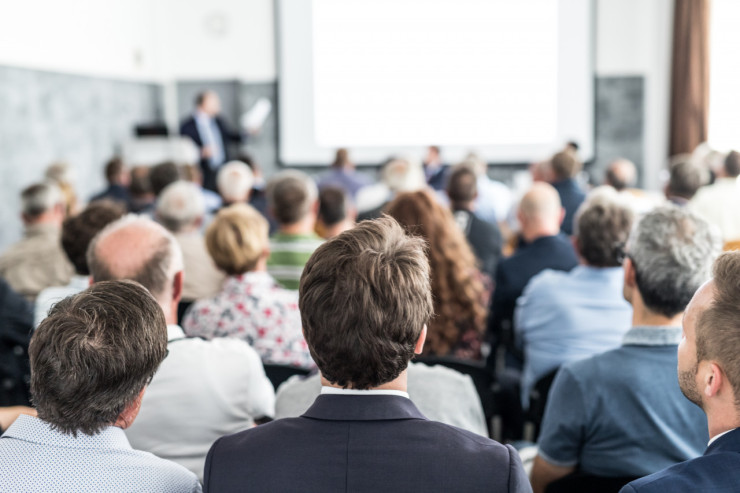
(571,196)
(378,443)
(484,238)
(718,471)
(513,274)
(190,129)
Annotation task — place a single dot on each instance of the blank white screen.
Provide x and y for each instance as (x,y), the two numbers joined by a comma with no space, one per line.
(509,79)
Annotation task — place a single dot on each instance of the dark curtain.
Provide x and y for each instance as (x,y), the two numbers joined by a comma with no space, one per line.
(690,75)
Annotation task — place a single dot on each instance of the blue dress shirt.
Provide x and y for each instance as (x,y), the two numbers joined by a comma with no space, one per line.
(211,136)
(567,316)
(34,457)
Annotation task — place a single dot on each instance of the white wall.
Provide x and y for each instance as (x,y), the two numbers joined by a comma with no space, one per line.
(112,38)
(634,37)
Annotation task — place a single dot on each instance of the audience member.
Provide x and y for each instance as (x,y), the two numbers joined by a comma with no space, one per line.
(540,215)
(293,200)
(483,237)
(336,213)
(91,361)
(459,298)
(162,175)
(181,210)
(686,178)
(211,135)
(118,177)
(251,305)
(719,203)
(494,200)
(363,433)
(60,174)
(140,190)
(435,170)
(603,416)
(37,261)
(343,175)
(204,389)
(397,175)
(16,324)
(568,316)
(564,167)
(621,174)
(709,376)
(441,394)
(77,233)
(192,173)
(234,183)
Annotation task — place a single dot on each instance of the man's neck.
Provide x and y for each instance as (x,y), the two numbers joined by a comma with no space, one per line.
(642,316)
(302,227)
(399,383)
(532,234)
(721,420)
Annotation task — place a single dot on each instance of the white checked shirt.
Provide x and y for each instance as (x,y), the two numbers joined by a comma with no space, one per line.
(34,457)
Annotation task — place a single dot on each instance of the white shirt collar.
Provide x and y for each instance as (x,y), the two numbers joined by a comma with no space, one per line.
(174,332)
(715,437)
(336,391)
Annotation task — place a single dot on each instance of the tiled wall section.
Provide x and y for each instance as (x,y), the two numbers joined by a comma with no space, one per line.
(47,116)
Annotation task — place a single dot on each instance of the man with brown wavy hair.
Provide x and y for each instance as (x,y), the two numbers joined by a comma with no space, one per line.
(365,299)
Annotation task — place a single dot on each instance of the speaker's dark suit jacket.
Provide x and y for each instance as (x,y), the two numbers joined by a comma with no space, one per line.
(190,129)
(374,443)
(717,471)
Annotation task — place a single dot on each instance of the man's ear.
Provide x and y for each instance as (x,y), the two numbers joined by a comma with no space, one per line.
(562,215)
(177,285)
(712,379)
(128,415)
(629,273)
(420,342)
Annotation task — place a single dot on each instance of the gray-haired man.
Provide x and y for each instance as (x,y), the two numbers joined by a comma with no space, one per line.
(621,414)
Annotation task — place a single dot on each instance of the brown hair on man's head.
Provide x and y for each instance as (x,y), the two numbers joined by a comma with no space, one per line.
(364,298)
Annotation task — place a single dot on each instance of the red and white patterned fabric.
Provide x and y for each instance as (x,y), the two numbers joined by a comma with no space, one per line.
(253,307)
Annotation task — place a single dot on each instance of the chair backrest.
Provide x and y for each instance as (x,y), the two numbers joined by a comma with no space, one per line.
(538,401)
(584,483)
(280,373)
(732,245)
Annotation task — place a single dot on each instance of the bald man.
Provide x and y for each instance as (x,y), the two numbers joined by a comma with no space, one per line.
(621,174)
(203,389)
(540,214)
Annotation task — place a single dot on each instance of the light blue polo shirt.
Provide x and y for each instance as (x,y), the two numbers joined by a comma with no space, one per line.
(621,413)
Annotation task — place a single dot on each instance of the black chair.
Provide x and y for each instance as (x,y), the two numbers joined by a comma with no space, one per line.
(182,309)
(481,376)
(537,403)
(584,483)
(280,373)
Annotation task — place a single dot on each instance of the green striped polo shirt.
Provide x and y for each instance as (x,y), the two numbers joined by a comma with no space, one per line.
(288,254)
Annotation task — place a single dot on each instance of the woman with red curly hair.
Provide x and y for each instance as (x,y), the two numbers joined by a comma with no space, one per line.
(459,295)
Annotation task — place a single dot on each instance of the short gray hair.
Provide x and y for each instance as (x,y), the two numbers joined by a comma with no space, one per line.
(180,205)
(39,198)
(234,181)
(672,250)
(157,267)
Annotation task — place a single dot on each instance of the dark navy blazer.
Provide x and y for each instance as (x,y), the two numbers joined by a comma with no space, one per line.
(347,443)
(718,471)
(571,196)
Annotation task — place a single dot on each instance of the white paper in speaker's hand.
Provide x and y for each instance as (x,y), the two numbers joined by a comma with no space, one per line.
(253,119)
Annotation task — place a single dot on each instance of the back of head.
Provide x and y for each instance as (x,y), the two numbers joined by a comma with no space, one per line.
(672,250)
(621,174)
(476,163)
(180,206)
(333,205)
(686,177)
(403,175)
(78,231)
(234,182)
(237,238)
(141,184)
(564,165)
(462,185)
(136,248)
(364,298)
(602,225)
(717,329)
(542,204)
(457,291)
(341,159)
(58,173)
(732,164)
(291,195)
(40,198)
(162,175)
(114,168)
(93,354)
